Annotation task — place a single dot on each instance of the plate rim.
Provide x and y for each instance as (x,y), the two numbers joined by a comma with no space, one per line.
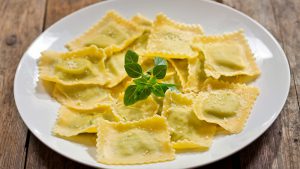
(272,119)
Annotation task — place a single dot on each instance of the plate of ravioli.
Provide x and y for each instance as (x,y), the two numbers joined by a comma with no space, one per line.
(166,84)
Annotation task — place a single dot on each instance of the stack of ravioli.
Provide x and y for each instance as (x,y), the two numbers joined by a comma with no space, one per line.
(210,73)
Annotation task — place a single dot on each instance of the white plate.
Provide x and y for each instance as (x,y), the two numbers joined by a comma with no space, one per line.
(38,109)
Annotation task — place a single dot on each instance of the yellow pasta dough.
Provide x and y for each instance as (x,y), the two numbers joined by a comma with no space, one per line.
(142,21)
(169,39)
(196,74)
(71,122)
(140,110)
(82,96)
(114,68)
(227,55)
(139,45)
(112,33)
(84,66)
(187,131)
(181,67)
(138,142)
(225,104)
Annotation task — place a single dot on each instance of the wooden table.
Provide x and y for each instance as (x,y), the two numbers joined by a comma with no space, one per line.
(21,21)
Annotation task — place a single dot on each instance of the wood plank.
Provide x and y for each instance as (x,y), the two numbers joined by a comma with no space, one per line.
(289,22)
(57,9)
(288,18)
(279,146)
(40,156)
(19,25)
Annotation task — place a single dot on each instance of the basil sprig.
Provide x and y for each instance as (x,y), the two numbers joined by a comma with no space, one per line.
(145,83)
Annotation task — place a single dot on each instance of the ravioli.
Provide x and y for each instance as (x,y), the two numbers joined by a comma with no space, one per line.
(139,45)
(227,55)
(225,104)
(71,122)
(138,142)
(84,66)
(112,33)
(181,67)
(142,21)
(114,68)
(82,97)
(187,131)
(170,39)
(139,110)
(196,74)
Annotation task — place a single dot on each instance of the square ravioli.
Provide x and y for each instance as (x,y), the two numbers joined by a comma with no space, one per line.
(82,97)
(225,104)
(187,131)
(71,122)
(113,33)
(170,39)
(191,72)
(227,55)
(83,66)
(140,110)
(138,142)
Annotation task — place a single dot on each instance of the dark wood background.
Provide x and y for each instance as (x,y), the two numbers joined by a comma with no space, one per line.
(21,21)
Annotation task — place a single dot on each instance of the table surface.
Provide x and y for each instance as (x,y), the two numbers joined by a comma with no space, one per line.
(22,21)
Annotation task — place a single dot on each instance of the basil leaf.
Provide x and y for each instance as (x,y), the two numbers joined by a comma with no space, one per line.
(131,57)
(130,95)
(134,70)
(153,81)
(141,81)
(160,71)
(160,61)
(143,92)
(157,90)
(150,71)
(166,86)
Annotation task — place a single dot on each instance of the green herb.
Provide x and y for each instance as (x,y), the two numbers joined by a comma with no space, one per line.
(145,83)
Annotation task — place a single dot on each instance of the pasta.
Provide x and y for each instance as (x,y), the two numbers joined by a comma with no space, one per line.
(187,131)
(82,96)
(227,55)
(83,66)
(172,40)
(140,110)
(138,142)
(112,33)
(198,91)
(71,122)
(225,104)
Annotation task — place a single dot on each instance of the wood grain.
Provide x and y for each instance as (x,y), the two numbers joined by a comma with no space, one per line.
(19,25)
(279,147)
(57,9)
